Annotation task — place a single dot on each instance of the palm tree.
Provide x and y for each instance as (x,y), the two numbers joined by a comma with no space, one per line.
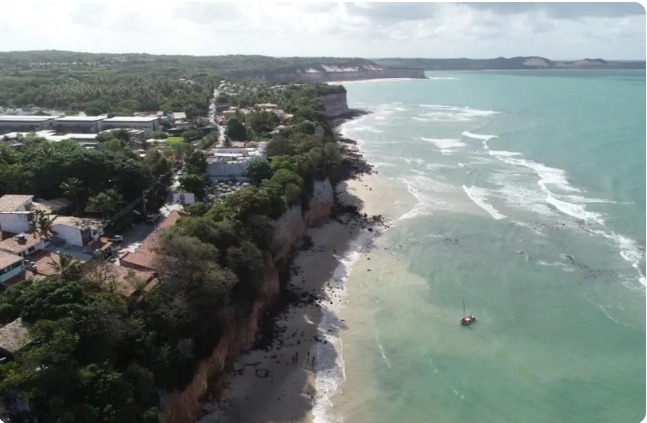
(106,201)
(73,188)
(43,222)
(67,267)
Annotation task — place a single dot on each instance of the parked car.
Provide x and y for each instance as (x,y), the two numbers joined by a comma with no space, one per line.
(116,238)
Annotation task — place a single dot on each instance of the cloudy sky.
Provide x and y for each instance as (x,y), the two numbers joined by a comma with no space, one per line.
(476,30)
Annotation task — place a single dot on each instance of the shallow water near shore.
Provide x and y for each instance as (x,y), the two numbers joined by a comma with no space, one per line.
(523,194)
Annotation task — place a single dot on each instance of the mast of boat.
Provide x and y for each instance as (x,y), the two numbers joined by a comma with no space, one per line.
(463,307)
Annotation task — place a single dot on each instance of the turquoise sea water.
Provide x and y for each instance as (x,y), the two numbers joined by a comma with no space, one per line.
(528,203)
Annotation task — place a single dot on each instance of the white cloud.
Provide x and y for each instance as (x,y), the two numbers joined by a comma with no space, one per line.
(556,30)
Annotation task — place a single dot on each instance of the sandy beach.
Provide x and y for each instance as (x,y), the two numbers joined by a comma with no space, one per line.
(280,384)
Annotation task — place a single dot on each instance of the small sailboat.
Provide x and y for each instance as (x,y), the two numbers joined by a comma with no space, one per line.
(467,319)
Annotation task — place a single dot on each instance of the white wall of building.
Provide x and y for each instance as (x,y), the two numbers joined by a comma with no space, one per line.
(184,198)
(15,222)
(68,234)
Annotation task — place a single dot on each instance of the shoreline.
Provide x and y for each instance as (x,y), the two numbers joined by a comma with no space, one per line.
(293,369)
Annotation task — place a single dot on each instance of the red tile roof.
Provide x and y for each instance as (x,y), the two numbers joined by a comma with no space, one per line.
(13,245)
(7,259)
(11,202)
(126,282)
(43,264)
(144,257)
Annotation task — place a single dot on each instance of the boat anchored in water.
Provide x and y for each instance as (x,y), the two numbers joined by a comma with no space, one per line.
(467,319)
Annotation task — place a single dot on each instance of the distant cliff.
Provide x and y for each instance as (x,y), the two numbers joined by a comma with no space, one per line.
(328,73)
(502,63)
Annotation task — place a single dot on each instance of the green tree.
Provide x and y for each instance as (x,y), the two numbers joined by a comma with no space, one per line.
(106,202)
(279,146)
(222,98)
(192,135)
(248,201)
(193,183)
(259,169)
(236,129)
(196,163)
(193,111)
(261,121)
(159,135)
(46,371)
(67,267)
(72,189)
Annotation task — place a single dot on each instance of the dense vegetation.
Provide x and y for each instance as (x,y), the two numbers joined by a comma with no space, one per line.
(125,83)
(101,179)
(98,357)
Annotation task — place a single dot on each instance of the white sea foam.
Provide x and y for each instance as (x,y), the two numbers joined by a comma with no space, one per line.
(367,129)
(423,189)
(630,250)
(444,113)
(381,348)
(577,211)
(443,78)
(564,266)
(547,175)
(478,136)
(330,369)
(445,145)
(483,138)
(503,153)
(478,196)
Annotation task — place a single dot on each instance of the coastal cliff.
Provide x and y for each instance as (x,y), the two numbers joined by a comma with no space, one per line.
(335,104)
(240,335)
(331,75)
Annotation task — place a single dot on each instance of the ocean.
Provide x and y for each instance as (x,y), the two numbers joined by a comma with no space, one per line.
(521,194)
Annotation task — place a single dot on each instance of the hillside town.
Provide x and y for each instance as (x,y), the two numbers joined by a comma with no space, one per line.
(139,215)
(31,250)
(44,237)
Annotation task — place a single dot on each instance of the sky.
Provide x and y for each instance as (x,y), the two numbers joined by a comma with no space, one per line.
(558,31)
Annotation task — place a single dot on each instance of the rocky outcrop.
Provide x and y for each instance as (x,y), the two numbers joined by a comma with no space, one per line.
(335,104)
(240,335)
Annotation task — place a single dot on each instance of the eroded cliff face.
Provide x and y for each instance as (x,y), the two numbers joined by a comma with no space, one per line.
(184,406)
(335,104)
(323,198)
(313,75)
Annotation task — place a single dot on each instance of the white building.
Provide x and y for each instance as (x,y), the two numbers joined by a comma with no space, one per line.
(77,231)
(78,124)
(11,265)
(227,163)
(183,198)
(17,222)
(16,213)
(84,140)
(25,123)
(16,202)
(146,123)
